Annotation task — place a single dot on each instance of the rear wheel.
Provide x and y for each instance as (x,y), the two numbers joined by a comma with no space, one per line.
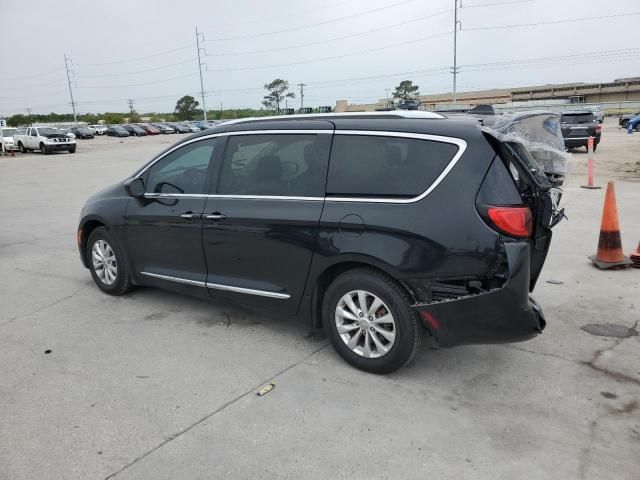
(369,322)
(638,127)
(107,263)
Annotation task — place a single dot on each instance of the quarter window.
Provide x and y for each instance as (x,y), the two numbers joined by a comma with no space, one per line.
(275,164)
(184,170)
(369,165)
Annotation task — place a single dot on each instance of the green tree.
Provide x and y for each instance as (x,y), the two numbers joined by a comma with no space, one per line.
(406,91)
(186,108)
(134,117)
(113,118)
(17,120)
(278,91)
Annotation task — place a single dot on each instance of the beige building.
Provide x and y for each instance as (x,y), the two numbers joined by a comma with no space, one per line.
(621,90)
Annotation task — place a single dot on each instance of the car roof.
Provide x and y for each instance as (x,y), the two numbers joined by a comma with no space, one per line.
(584,111)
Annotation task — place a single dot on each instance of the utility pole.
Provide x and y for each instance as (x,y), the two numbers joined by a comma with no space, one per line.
(204,106)
(28,115)
(131,101)
(67,62)
(302,85)
(455,48)
(220,110)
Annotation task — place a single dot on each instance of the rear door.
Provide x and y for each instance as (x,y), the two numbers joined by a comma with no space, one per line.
(261,221)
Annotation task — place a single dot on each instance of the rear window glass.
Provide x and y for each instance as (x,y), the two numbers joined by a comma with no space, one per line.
(368,165)
(578,118)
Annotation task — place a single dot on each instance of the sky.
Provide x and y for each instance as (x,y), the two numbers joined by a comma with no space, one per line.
(341,49)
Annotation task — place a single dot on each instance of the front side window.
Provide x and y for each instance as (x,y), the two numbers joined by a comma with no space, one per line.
(275,164)
(183,171)
(369,165)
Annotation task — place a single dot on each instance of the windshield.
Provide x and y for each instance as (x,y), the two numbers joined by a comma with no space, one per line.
(578,118)
(8,132)
(48,131)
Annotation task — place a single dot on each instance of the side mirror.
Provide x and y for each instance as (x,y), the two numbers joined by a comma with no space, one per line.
(134,187)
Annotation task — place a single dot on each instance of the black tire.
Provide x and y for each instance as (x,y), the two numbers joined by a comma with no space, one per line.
(122,283)
(595,147)
(638,127)
(21,148)
(43,149)
(624,123)
(409,331)
(72,150)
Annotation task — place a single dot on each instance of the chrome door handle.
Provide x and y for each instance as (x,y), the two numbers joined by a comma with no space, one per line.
(216,216)
(189,216)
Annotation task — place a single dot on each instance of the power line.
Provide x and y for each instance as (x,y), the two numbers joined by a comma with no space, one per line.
(160,67)
(33,75)
(334,39)
(139,84)
(136,59)
(553,22)
(301,27)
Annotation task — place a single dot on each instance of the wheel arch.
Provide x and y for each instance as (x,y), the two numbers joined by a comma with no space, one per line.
(87,226)
(331,272)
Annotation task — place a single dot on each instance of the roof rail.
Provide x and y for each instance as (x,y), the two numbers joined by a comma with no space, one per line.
(387,114)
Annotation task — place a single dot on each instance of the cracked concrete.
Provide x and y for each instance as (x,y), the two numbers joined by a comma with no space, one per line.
(155,385)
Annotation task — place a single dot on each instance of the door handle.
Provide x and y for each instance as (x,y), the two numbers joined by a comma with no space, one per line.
(189,215)
(215,216)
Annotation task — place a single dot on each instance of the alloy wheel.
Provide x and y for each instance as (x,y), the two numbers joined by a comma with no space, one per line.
(104,262)
(365,324)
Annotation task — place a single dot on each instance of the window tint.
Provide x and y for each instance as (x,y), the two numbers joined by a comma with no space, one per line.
(280,165)
(183,170)
(578,118)
(385,166)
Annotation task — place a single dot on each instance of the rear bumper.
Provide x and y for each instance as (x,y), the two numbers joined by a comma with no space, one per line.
(579,141)
(504,315)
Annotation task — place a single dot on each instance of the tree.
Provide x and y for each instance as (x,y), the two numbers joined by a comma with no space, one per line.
(406,91)
(134,117)
(113,118)
(278,91)
(186,108)
(17,120)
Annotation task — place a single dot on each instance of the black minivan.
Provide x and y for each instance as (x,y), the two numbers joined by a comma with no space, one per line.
(378,227)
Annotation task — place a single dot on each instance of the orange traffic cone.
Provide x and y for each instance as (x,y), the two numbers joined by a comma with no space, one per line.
(609,253)
(635,257)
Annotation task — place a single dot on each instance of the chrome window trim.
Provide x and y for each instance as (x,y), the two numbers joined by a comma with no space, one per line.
(460,143)
(219,286)
(225,134)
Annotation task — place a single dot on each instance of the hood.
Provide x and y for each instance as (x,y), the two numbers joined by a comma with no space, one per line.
(54,135)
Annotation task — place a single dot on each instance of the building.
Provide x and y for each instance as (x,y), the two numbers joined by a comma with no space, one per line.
(621,90)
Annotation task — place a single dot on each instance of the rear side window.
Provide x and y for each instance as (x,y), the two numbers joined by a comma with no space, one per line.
(368,165)
(275,165)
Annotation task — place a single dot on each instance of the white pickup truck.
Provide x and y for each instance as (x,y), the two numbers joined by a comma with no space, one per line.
(45,139)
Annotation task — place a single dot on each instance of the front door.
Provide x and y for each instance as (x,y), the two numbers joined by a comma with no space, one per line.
(260,224)
(163,230)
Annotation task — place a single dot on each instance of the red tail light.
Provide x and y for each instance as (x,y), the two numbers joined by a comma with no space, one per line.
(514,221)
(598,128)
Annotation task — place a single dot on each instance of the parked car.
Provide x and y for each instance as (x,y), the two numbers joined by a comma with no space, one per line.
(577,126)
(280,216)
(597,111)
(624,119)
(164,128)
(179,127)
(150,130)
(67,132)
(82,132)
(135,130)
(117,131)
(45,139)
(98,129)
(202,125)
(6,140)
(634,124)
(192,128)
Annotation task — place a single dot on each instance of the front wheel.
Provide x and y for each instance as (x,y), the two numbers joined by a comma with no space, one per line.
(595,147)
(21,148)
(368,319)
(43,149)
(107,263)
(638,127)
(72,150)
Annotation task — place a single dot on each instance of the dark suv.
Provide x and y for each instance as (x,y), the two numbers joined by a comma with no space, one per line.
(577,126)
(380,228)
